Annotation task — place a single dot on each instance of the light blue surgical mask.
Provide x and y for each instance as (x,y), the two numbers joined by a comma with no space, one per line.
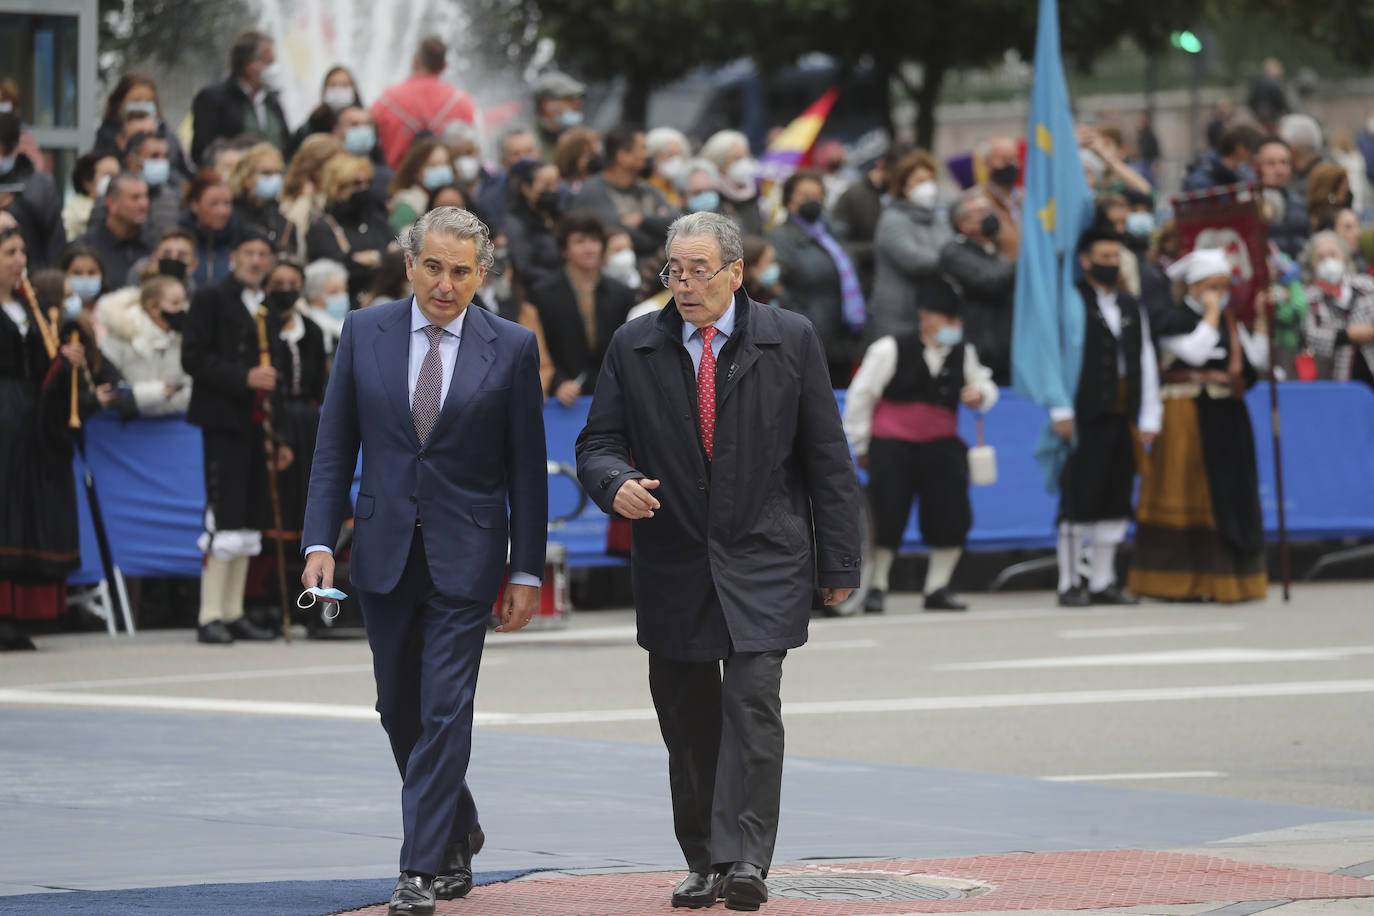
(156,172)
(1140,224)
(949,336)
(359,140)
(336,304)
(268,187)
(7,164)
(86,287)
(703,200)
(569,117)
(771,274)
(72,305)
(437,176)
(314,593)
(144,107)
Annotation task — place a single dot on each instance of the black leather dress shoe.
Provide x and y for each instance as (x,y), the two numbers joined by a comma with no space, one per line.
(243,628)
(943,599)
(698,891)
(454,880)
(873,601)
(1075,597)
(413,896)
(1113,594)
(744,887)
(214,633)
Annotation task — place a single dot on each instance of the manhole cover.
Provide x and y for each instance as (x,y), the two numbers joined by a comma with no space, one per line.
(858,887)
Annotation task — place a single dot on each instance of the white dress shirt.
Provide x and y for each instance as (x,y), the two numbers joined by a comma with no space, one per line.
(1202,343)
(448,355)
(875,374)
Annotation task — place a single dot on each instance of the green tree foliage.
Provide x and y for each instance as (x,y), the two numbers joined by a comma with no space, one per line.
(167,32)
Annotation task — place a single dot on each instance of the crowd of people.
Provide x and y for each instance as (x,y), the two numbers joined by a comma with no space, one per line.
(213,277)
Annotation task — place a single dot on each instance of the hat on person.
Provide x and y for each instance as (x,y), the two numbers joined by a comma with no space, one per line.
(1199,264)
(935,294)
(556,85)
(251,234)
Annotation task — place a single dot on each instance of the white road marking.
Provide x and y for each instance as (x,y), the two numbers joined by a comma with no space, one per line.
(248,675)
(1163,630)
(1223,656)
(813,708)
(1124,777)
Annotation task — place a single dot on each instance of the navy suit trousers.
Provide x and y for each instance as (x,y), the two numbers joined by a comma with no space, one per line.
(426,651)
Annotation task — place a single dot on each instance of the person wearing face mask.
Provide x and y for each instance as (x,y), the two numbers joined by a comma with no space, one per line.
(619,261)
(1002,157)
(699,192)
(557,108)
(339,92)
(143,339)
(1199,530)
(147,155)
(246,102)
(257,183)
(1328,192)
(762,272)
(426,167)
(985,279)
(326,298)
(220,352)
(37,204)
(1117,394)
(533,207)
(817,277)
(667,167)
(737,181)
(90,177)
(137,93)
(353,230)
(901,418)
(86,276)
(619,195)
(357,133)
(910,233)
(1339,326)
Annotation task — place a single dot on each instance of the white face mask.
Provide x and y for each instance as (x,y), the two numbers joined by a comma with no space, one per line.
(1331,271)
(338,97)
(623,267)
(924,194)
(468,168)
(102,186)
(674,169)
(743,171)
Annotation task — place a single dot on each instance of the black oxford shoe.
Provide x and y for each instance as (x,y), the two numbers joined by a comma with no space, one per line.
(744,887)
(413,896)
(942,599)
(1113,594)
(1075,597)
(873,601)
(214,633)
(243,628)
(698,891)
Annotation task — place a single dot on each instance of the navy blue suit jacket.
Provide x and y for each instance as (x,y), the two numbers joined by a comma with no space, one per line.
(486,453)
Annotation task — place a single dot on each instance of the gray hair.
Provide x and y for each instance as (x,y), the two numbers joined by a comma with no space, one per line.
(721,144)
(660,137)
(956,209)
(1301,131)
(699,165)
(717,226)
(1307,256)
(318,273)
(453,221)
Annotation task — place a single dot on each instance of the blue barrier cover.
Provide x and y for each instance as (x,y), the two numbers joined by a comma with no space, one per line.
(149,477)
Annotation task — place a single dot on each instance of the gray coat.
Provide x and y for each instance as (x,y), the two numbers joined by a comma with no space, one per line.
(908,242)
(731,559)
(811,286)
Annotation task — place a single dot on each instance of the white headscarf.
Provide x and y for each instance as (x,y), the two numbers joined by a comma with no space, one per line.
(1200,264)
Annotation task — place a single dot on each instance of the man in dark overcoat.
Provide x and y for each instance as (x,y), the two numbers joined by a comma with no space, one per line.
(715,429)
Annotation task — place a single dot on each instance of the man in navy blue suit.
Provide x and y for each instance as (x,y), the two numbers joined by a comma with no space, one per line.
(446,404)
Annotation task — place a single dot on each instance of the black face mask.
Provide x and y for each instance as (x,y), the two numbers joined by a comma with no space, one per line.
(281,300)
(990,226)
(1104,275)
(596,165)
(175,320)
(1005,175)
(548,202)
(810,211)
(648,171)
(354,206)
(171,267)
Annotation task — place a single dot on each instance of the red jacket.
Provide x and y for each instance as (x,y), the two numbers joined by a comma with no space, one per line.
(423,102)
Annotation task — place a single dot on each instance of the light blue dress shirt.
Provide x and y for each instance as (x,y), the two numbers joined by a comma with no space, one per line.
(448,355)
(691,337)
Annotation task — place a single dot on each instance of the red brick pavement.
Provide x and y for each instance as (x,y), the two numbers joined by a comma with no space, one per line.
(1017,881)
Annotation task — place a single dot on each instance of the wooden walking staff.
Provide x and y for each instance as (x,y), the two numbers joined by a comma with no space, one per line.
(1286,571)
(269,446)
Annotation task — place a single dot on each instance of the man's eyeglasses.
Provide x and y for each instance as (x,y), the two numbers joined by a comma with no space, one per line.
(700,277)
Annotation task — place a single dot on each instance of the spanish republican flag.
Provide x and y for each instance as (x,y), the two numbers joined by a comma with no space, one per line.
(791,149)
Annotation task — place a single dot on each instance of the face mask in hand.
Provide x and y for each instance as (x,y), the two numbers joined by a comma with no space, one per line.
(1331,271)
(331,608)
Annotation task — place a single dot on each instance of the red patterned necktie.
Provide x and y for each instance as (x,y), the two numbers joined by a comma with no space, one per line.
(706,392)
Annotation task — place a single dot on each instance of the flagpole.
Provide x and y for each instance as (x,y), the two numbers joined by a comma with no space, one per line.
(1271,313)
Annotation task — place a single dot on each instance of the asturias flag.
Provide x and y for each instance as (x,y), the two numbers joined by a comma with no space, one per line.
(1047,331)
(791,149)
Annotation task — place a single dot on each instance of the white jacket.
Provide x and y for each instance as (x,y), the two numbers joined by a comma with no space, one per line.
(148,356)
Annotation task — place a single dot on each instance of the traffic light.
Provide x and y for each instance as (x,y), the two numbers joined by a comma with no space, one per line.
(1186,41)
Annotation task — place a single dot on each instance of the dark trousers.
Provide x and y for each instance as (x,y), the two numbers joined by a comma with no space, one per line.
(1099,477)
(936,473)
(723,730)
(426,650)
(236,485)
